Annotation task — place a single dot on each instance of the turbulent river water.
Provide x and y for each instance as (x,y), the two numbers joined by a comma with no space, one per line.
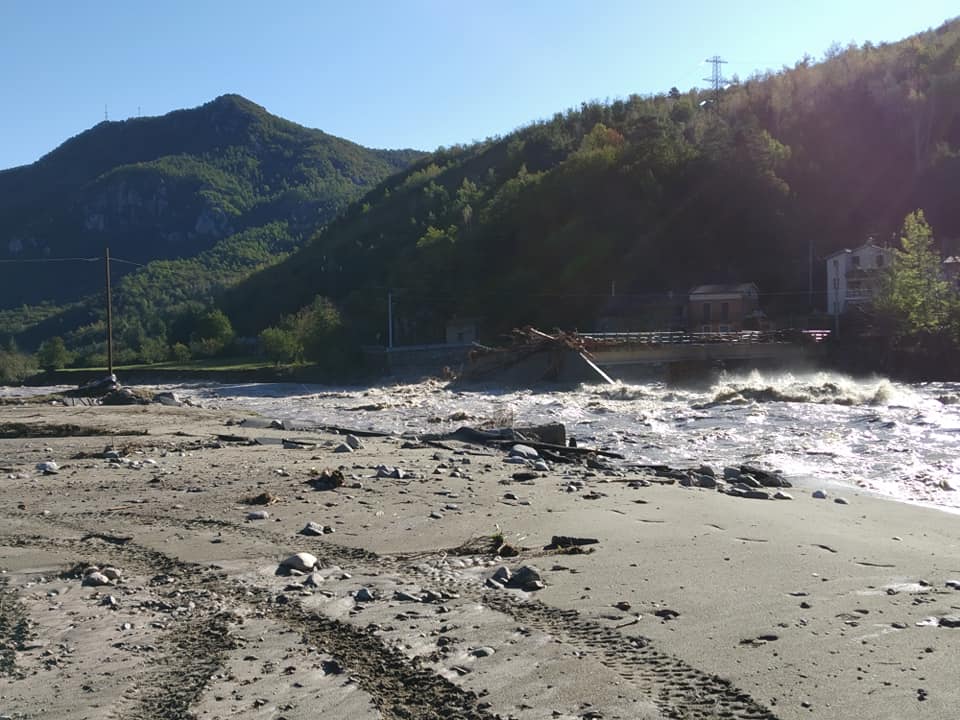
(820,429)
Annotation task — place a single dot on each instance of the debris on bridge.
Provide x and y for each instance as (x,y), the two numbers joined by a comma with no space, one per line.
(532,356)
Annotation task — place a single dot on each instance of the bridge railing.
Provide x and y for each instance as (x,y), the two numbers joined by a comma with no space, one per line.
(701,338)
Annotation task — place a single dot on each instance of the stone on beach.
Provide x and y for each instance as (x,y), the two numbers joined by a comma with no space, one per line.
(526,578)
(353,441)
(524,451)
(258,515)
(302,562)
(820,494)
(364,595)
(49,467)
(96,579)
(167,398)
(384,471)
(313,528)
(111,572)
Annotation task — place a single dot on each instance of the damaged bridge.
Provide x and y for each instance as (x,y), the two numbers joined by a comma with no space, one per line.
(617,353)
(533,356)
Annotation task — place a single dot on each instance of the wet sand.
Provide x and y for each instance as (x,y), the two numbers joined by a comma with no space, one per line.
(693,604)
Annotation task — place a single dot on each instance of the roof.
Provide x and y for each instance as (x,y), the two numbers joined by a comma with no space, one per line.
(953,259)
(847,251)
(730,289)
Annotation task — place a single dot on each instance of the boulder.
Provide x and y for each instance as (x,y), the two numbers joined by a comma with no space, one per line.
(526,578)
(706,481)
(312,528)
(364,595)
(96,579)
(302,561)
(524,451)
(167,398)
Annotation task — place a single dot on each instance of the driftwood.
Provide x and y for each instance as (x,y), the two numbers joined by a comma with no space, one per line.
(562,448)
(336,430)
(508,436)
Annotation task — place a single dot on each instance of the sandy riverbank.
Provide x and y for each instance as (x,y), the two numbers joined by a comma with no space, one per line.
(785,609)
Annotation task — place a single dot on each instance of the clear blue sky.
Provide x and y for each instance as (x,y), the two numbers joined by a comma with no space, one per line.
(396,73)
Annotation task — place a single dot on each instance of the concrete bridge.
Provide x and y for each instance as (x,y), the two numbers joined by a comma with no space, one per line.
(609,356)
(619,353)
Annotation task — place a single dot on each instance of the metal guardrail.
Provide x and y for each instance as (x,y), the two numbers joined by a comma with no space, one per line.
(701,338)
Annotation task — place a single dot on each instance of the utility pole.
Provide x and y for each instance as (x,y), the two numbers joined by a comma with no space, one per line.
(109,319)
(716,79)
(390,319)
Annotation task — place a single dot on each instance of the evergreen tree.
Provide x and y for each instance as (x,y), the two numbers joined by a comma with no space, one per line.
(916,298)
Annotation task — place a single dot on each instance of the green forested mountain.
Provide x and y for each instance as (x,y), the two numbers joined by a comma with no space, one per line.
(647,194)
(212,192)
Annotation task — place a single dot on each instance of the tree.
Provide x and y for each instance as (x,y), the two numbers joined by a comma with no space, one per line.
(281,344)
(213,332)
(53,354)
(317,327)
(15,366)
(915,297)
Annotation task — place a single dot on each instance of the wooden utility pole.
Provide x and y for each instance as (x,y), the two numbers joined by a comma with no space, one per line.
(109,318)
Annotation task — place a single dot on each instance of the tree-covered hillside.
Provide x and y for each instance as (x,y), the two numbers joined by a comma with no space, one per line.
(646,194)
(163,188)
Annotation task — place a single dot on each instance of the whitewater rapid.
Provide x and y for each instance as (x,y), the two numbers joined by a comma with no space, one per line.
(823,430)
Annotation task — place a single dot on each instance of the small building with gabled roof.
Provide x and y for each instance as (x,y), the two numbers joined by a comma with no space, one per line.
(725,308)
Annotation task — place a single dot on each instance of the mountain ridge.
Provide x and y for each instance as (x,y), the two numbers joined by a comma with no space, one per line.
(174,185)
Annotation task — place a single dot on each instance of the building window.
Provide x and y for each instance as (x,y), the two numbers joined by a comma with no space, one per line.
(706,312)
(724,311)
(855,261)
(879,260)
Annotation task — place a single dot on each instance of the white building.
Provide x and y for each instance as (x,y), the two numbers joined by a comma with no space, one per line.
(853,276)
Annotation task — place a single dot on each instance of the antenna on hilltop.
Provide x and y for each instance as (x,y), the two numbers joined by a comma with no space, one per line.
(716,79)
(105,116)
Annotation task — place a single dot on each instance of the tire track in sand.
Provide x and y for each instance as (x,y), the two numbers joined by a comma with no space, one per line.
(401,687)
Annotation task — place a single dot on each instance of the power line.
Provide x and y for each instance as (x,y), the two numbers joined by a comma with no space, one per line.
(12,261)
(17,261)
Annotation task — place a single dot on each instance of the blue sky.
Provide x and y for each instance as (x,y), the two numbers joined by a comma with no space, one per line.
(401,73)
